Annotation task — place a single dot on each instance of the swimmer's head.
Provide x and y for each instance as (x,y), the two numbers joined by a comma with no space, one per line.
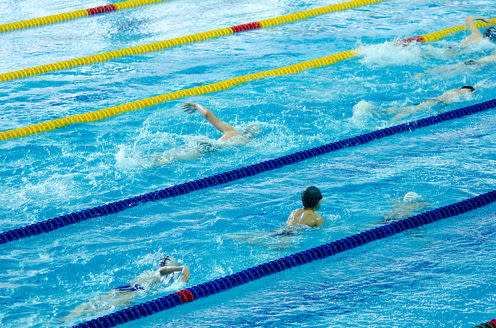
(468,87)
(490,33)
(311,197)
(168,261)
(412,197)
(251,130)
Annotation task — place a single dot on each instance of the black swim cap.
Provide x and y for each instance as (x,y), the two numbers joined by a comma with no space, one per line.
(168,261)
(490,33)
(310,197)
(471,88)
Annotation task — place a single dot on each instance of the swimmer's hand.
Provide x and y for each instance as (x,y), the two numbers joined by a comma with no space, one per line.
(470,20)
(169,269)
(185,274)
(487,20)
(190,108)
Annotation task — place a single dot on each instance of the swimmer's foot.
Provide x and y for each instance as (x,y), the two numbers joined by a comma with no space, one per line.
(419,76)
(160,159)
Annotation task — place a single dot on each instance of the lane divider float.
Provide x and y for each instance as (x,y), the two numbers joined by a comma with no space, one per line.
(74,14)
(490,324)
(317,253)
(226,177)
(213,87)
(182,40)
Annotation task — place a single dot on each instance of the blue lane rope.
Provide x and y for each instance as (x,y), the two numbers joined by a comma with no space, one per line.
(218,285)
(247,171)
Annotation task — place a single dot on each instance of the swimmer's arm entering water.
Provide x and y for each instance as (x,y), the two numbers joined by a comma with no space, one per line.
(185,274)
(475,35)
(227,130)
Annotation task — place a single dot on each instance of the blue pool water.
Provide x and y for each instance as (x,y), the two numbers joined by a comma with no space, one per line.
(437,276)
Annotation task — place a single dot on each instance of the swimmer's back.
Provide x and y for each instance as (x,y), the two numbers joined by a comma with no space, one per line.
(307,217)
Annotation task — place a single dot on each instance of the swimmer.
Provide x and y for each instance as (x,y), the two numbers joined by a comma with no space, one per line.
(411,203)
(475,34)
(169,273)
(230,136)
(491,59)
(298,220)
(450,96)
(311,199)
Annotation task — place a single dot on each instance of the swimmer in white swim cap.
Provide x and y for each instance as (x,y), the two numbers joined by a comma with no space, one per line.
(412,203)
(412,197)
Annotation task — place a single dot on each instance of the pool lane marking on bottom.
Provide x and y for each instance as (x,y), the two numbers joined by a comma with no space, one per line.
(237,174)
(317,253)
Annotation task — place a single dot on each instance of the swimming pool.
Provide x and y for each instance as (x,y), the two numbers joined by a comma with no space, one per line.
(437,276)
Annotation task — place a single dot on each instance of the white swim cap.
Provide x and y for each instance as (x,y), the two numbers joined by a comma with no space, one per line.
(251,130)
(412,197)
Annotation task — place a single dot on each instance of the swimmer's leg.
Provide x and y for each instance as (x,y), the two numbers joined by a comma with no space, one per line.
(265,240)
(100,303)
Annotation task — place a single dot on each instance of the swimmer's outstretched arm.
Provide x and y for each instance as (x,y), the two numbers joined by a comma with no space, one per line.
(185,274)
(475,35)
(216,122)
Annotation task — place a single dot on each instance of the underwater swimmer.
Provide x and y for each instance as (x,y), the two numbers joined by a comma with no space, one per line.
(168,273)
(450,96)
(411,203)
(230,136)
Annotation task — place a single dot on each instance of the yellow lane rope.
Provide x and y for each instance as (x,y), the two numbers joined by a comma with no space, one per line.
(214,87)
(181,40)
(73,14)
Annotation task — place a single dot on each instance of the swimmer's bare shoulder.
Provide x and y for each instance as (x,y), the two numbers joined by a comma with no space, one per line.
(302,216)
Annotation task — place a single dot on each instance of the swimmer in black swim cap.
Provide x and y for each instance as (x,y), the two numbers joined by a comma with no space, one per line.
(311,199)
(449,97)
(299,220)
(476,35)
(490,34)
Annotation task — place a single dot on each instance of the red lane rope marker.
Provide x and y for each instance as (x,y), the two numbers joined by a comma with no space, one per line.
(186,295)
(246,27)
(419,39)
(101,9)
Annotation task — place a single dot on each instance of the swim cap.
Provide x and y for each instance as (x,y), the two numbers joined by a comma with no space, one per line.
(310,197)
(412,197)
(490,33)
(470,62)
(168,261)
(469,87)
(251,130)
